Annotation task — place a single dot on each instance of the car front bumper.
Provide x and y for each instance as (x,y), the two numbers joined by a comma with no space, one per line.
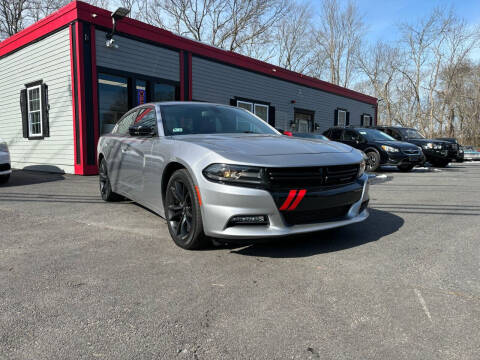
(405,159)
(5,163)
(222,202)
(434,155)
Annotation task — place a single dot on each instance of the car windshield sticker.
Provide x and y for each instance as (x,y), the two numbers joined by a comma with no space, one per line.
(175,130)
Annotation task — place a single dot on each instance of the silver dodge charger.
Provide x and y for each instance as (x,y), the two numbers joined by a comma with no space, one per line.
(217,171)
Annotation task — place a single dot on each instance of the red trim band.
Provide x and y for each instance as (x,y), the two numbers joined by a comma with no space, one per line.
(290,197)
(299,198)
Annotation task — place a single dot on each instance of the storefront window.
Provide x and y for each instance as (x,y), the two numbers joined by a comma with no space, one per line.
(163,92)
(113,100)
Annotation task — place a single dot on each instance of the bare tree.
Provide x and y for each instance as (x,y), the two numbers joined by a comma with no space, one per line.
(293,39)
(337,40)
(12,16)
(228,24)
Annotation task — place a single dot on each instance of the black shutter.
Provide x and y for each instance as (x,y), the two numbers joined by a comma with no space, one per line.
(23,108)
(45,108)
(347,118)
(271,115)
(233,102)
(335,118)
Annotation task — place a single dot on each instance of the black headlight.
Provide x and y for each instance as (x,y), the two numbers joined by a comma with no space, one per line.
(235,174)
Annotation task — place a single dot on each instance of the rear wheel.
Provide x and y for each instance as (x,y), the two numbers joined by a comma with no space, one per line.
(4,178)
(406,167)
(104,183)
(182,211)
(373,160)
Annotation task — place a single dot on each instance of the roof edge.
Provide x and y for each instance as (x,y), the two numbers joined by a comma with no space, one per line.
(78,10)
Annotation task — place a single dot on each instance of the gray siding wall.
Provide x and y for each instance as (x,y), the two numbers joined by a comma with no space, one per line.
(138,57)
(47,60)
(215,82)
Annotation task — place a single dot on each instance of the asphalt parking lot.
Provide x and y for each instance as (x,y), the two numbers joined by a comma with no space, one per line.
(83,279)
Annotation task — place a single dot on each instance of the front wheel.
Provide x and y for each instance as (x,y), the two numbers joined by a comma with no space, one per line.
(406,167)
(373,160)
(441,163)
(4,178)
(182,211)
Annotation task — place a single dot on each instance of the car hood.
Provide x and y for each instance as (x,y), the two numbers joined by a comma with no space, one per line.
(264,145)
(397,144)
(426,141)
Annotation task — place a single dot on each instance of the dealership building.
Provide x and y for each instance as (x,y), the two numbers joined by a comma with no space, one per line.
(63,84)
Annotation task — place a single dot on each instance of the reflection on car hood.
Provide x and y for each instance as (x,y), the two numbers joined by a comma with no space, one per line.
(264,145)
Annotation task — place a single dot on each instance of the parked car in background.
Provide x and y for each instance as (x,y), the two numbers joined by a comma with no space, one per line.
(219,171)
(5,167)
(379,148)
(310,136)
(435,151)
(470,153)
(455,151)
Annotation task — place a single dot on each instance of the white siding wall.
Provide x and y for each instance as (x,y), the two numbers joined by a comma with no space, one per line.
(47,60)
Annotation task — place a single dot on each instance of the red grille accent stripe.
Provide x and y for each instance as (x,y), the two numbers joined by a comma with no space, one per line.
(299,198)
(289,199)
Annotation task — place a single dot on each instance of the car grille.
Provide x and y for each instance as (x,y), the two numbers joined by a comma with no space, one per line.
(4,167)
(411,151)
(315,216)
(304,177)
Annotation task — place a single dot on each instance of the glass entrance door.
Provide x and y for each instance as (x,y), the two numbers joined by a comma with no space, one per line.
(112,100)
(303,121)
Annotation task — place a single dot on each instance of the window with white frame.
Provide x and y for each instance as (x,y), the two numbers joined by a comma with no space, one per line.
(366,120)
(34,107)
(261,110)
(342,117)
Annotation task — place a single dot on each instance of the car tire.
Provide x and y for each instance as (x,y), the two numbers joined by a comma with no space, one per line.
(441,163)
(104,183)
(182,212)
(373,160)
(4,178)
(406,167)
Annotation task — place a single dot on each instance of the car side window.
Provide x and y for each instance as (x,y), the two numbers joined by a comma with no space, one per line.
(146,117)
(350,135)
(395,134)
(125,123)
(335,134)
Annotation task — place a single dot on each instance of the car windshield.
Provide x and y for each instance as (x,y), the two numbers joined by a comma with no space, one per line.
(375,135)
(187,119)
(468,148)
(411,134)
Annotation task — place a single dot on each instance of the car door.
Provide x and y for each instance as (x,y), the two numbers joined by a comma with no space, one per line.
(351,137)
(335,134)
(135,150)
(115,159)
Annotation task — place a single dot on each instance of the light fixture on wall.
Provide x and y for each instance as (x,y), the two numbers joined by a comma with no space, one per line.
(118,14)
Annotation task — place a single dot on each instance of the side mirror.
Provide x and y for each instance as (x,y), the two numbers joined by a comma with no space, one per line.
(141,130)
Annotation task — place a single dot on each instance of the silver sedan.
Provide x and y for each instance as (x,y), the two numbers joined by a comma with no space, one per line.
(217,171)
(5,169)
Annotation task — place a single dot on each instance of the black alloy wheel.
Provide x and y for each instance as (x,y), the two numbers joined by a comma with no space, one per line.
(440,163)
(104,183)
(373,160)
(182,211)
